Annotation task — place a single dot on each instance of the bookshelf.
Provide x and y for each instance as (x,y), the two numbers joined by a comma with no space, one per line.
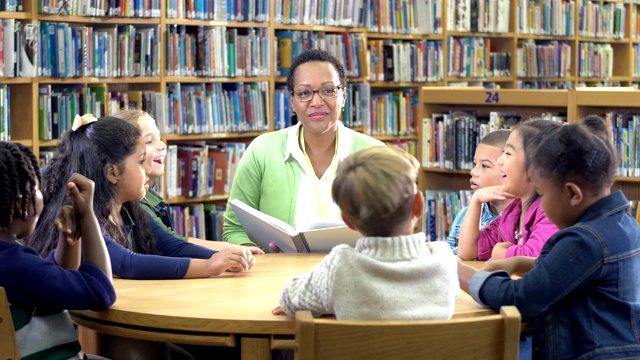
(621,107)
(508,50)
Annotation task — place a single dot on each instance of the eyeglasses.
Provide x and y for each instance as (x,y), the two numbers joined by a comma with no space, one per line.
(326,92)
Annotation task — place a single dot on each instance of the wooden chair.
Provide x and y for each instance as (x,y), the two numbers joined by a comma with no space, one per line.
(485,337)
(8,341)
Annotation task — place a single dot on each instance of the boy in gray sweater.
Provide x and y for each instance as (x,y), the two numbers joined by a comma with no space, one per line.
(392,273)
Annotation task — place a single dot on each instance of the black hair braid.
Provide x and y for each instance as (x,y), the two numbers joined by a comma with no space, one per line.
(19,182)
(29,171)
(8,188)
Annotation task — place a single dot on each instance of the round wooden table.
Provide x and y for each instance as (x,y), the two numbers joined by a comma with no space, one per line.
(217,310)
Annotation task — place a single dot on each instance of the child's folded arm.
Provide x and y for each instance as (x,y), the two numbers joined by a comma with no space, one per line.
(51,286)
(310,291)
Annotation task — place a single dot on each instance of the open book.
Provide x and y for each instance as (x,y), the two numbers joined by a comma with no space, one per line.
(314,237)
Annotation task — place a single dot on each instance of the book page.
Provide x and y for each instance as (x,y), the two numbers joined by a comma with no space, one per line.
(263,229)
(323,240)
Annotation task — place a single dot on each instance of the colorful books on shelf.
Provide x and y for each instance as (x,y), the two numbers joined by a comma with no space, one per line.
(393,113)
(203,221)
(218,51)
(5,113)
(441,207)
(197,169)
(405,61)
(449,140)
(347,47)
(214,107)
(263,229)
(70,50)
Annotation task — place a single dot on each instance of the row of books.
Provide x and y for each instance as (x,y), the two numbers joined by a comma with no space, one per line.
(217,51)
(472,57)
(5,113)
(58,105)
(449,139)
(633,209)
(602,19)
(18,49)
(488,16)
(410,146)
(546,84)
(543,59)
(120,8)
(199,169)
(216,107)
(441,207)
(393,112)
(202,221)
(98,50)
(636,60)
(625,128)
(11,5)
(222,10)
(320,12)
(635,23)
(393,16)
(347,47)
(595,60)
(546,17)
(404,17)
(405,61)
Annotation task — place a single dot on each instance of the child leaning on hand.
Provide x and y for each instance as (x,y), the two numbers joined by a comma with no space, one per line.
(392,274)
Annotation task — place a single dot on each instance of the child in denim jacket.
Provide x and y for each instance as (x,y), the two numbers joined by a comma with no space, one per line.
(583,290)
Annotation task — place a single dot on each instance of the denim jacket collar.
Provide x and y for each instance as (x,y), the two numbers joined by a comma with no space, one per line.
(605,207)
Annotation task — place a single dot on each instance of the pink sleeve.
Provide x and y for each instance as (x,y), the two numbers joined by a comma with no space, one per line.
(488,237)
(541,230)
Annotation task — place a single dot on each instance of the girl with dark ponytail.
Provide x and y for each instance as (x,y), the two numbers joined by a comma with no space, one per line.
(112,153)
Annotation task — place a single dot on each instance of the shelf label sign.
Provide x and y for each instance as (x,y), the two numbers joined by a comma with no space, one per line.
(492,97)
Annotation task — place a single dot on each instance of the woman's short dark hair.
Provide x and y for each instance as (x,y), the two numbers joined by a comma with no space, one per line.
(315,55)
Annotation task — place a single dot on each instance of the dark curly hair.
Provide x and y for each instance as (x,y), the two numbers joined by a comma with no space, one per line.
(19,179)
(579,152)
(315,55)
(87,151)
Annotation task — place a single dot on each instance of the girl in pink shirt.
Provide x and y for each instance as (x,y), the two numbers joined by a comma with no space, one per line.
(523,228)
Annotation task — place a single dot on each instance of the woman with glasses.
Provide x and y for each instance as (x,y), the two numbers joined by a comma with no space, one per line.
(288,173)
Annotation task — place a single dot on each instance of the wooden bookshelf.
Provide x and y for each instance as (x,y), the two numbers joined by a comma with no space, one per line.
(607,101)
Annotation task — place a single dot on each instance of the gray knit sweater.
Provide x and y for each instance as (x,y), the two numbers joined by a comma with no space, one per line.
(383,278)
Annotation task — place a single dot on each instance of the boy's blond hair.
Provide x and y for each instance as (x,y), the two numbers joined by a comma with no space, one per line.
(131,115)
(375,187)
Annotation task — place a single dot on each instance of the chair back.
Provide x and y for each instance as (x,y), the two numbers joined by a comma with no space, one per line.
(8,341)
(484,337)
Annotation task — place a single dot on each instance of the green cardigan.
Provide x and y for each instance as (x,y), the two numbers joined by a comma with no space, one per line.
(266,181)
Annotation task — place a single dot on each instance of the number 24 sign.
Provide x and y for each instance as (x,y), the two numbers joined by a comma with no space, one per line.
(492,97)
